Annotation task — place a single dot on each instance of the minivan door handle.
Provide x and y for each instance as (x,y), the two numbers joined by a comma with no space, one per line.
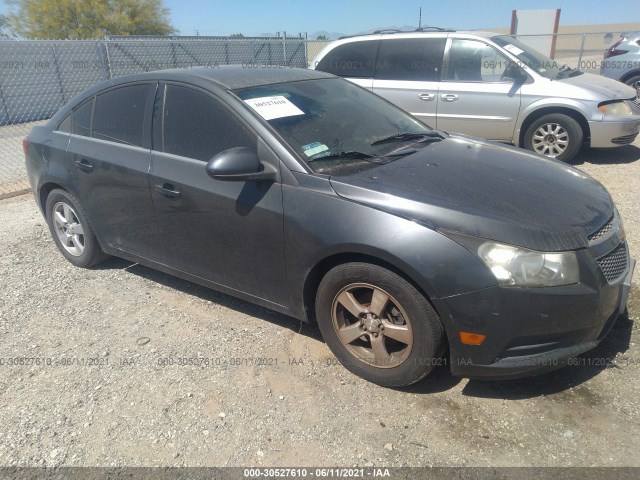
(167,190)
(84,165)
(427,97)
(449,97)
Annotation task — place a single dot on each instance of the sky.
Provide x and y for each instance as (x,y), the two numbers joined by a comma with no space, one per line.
(254,17)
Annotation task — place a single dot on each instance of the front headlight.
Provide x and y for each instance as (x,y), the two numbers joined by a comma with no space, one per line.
(619,107)
(520,267)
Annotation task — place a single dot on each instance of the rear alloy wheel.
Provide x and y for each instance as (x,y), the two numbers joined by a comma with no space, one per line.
(557,136)
(71,231)
(378,325)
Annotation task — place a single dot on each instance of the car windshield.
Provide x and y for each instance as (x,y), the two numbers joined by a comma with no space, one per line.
(337,127)
(543,65)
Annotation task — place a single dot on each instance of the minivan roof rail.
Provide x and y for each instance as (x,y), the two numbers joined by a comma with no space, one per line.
(429,28)
(388,31)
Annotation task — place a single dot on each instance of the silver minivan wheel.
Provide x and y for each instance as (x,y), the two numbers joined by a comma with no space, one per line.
(550,139)
(555,135)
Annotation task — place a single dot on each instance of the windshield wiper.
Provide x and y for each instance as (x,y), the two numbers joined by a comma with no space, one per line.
(349,154)
(432,136)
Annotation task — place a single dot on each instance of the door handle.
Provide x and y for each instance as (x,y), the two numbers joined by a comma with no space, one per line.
(84,165)
(449,97)
(167,190)
(427,97)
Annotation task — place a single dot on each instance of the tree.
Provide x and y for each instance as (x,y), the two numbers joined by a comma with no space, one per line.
(322,38)
(236,35)
(5,32)
(88,19)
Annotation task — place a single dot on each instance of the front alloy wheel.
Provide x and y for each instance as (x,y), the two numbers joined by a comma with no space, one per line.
(557,136)
(372,325)
(378,325)
(551,140)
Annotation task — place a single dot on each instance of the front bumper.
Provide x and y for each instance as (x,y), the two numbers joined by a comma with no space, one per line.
(531,331)
(605,134)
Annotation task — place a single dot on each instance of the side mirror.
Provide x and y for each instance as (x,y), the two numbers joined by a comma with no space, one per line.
(514,73)
(239,163)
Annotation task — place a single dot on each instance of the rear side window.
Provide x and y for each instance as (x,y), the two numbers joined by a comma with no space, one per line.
(354,59)
(82,119)
(196,125)
(410,59)
(119,114)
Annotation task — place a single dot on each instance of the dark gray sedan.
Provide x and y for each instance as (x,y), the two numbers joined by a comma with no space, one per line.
(304,193)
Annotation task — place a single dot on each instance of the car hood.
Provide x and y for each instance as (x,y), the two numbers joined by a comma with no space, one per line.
(473,187)
(604,87)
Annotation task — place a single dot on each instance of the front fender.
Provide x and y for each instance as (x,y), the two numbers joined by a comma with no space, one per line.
(322,225)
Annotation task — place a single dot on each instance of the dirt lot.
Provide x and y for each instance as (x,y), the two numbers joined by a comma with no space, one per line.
(111,379)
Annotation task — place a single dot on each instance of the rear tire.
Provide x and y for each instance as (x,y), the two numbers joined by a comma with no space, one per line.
(378,325)
(71,231)
(557,136)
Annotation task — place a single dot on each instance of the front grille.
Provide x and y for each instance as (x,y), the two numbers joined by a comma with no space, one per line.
(637,100)
(601,232)
(614,263)
(626,140)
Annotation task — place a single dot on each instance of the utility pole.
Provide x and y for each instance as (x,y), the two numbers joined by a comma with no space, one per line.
(420,18)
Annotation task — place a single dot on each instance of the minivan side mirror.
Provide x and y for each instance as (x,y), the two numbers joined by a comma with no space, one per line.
(240,164)
(514,73)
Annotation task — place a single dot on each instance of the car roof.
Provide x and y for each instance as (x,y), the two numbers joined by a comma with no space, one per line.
(415,34)
(224,77)
(232,77)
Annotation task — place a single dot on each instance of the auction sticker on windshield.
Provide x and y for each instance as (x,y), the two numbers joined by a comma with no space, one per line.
(271,108)
(314,149)
(513,49)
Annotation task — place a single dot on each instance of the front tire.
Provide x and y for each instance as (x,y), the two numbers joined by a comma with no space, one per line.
(71,231)
(557,136)
(378,325)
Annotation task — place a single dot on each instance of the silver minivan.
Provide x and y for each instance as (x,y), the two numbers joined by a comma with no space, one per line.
(491,86)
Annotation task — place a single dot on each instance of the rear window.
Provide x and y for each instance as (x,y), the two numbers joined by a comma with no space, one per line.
(354,59)
(410,59)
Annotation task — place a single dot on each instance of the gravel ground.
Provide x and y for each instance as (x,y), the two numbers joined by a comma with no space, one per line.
(115,386)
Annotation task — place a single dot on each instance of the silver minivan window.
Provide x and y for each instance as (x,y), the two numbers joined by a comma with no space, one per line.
(541,64)
(475,61)
(410,59)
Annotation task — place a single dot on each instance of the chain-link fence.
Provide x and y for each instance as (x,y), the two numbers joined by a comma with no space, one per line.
(38,77)
(584,51)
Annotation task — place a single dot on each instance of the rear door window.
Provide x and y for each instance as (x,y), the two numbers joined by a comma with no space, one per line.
(410,59)
(120,114)
(354,59)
